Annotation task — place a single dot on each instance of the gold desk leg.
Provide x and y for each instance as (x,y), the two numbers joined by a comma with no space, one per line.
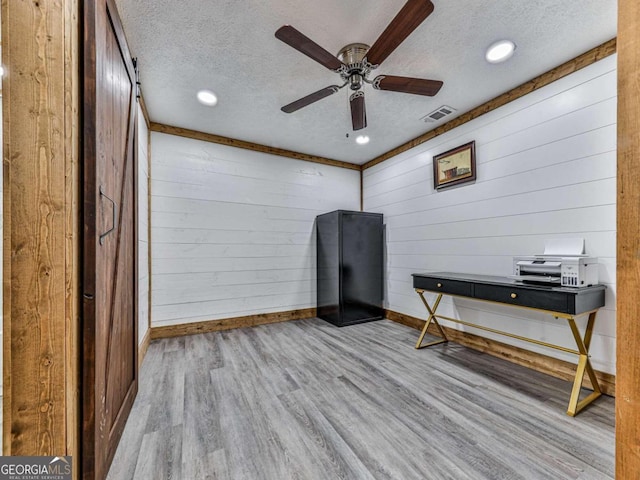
(432,318)
(575,404)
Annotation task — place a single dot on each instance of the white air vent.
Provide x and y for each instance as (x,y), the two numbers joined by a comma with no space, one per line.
(438,114)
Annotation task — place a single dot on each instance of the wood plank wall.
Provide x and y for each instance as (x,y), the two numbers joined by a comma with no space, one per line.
(233,230)
(546,168)
(628,243)
(40,150)
(142,192)
(144,217)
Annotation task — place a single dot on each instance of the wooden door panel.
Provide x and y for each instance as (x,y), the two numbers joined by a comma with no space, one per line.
(116,259)
(109,276)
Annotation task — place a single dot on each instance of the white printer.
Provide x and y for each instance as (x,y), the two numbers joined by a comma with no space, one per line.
(562,263)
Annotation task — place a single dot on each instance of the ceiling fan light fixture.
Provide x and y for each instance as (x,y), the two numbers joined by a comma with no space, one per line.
(500,51)
(208,98)
(362,139)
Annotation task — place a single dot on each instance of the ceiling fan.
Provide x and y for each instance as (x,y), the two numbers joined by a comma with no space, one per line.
(355,62)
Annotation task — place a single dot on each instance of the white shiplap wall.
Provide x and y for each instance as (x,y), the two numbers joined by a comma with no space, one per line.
(143,227)
(233,230)
(546,168)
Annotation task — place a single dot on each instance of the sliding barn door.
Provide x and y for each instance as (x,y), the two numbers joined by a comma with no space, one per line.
(109,378)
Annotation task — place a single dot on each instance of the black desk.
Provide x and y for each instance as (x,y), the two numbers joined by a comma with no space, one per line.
(561,302)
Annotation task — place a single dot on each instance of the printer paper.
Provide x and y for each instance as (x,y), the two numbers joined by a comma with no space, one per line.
(564,246)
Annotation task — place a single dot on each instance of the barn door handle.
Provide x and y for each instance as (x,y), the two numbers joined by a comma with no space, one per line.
(114,216)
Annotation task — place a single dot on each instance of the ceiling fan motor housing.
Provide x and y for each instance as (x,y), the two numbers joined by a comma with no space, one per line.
(356,70)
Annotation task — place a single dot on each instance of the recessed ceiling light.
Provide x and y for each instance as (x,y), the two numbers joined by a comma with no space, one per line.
(207,97)
(500,51)
(362,139)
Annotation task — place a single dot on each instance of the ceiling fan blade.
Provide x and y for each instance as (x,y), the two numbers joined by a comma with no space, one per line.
(311,49)
(406,21)
(417,86)
(309,99)
(358,111)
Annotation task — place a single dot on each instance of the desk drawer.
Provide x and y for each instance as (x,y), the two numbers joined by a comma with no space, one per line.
(451,287)
(552,301)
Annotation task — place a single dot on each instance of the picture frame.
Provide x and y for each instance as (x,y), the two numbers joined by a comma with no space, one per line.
(455,166)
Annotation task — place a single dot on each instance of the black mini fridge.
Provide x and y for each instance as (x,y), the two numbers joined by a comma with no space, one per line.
(350,269)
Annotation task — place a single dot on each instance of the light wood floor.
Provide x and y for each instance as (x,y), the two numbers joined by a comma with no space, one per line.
(307,400)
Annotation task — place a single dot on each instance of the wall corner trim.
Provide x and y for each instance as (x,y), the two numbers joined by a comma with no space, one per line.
(628,242)
(143,347)
(145,112)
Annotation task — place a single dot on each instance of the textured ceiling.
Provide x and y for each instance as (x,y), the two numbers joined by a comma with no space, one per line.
(228,46)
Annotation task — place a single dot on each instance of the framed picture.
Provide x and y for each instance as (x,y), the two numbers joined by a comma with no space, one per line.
(455,166)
